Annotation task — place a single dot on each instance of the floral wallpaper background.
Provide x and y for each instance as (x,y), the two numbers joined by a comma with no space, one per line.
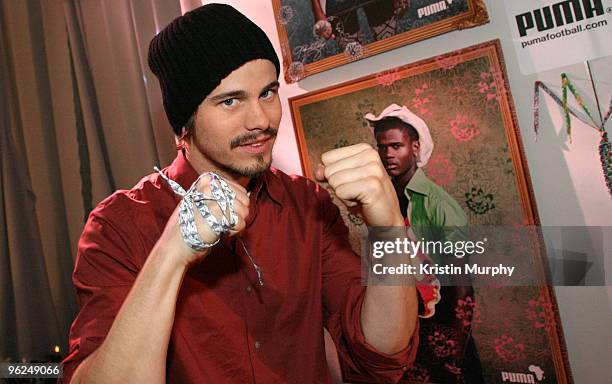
(460,101)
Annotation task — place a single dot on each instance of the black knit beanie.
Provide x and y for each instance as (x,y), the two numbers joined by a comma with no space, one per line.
(196,51)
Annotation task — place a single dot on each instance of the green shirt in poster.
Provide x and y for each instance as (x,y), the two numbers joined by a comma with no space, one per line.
(434,214)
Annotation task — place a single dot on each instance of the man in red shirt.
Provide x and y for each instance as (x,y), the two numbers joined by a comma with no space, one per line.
(205,279)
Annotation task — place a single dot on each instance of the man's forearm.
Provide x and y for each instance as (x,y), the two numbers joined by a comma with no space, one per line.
(390,312)
(389,316)
(136,345)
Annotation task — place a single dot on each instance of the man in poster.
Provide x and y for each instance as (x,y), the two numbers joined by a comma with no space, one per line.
(446,350)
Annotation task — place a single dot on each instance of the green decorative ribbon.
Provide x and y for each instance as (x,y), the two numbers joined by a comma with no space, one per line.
(604,148)
(609,113)
(567,85)
(536,106)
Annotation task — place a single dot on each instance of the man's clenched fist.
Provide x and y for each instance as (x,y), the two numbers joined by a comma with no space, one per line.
(171,239)
(358,176)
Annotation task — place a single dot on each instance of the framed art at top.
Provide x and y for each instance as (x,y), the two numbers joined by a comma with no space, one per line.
(464,99)
(317,35)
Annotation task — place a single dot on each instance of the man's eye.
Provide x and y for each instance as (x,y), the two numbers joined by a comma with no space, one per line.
(230,102)
(267,94)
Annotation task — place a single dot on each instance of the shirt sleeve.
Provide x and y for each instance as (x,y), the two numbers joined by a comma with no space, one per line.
(343,297)
(103,276)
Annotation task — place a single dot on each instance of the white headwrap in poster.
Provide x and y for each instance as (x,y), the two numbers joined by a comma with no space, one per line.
(404,114)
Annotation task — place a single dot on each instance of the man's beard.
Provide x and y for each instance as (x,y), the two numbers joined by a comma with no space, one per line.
(253,171)
(250,171)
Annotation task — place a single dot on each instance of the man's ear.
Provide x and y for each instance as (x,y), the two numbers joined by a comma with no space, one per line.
(416,147)
(180,142)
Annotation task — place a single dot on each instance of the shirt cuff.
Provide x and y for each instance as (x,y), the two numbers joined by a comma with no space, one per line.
(385,368)
(81,348)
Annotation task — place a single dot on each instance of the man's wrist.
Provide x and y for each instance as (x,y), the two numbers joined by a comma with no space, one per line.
(176,258)
(398,222)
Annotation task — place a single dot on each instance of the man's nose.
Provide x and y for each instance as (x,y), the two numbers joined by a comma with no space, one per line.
(257,117)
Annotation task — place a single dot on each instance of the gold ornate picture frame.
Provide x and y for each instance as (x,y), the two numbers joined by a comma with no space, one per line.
(478,158)
(362,28)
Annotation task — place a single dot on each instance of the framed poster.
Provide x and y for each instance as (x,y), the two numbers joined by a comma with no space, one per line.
(317,35)
(478,158)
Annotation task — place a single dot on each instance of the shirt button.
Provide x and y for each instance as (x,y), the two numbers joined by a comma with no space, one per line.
(249,288)
(404,368)
(257,344)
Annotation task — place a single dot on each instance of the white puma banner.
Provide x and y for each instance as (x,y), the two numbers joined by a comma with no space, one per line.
(550,34)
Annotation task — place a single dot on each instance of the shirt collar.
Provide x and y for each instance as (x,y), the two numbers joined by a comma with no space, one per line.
(273,185)
(418,183)
(183,173)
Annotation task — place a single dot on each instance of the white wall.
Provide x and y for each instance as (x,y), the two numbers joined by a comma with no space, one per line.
(567,178)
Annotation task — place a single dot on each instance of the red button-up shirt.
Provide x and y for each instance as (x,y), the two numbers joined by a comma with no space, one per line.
(228,328)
